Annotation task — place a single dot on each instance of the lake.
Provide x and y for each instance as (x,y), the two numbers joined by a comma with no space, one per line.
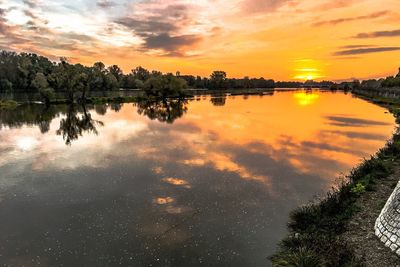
(208,181)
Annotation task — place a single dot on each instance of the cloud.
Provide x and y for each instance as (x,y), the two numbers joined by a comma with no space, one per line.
(257,6)
(31,3)
(146,27)
(345,121)
(359,51)
(170,44)
(105,4)
(355,46)
(343,20)
(333,4)
(162,28)
(377,34)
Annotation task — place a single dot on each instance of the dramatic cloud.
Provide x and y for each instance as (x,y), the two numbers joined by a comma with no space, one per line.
(359,51)
(171,44)
(147,27)
(162,28)
(349,19)
(394,33)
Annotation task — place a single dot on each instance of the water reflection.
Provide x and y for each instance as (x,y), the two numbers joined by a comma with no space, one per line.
(306,98)
(74,125)
(167,110)
(29,115)
(218,100)
(172,183)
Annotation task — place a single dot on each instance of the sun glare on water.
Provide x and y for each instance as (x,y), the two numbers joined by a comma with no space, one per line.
(306,99)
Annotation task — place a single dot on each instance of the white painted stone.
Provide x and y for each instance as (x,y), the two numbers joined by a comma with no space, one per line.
(387,225)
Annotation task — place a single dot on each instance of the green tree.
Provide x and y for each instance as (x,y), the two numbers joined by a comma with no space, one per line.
(5,85)
(99,66)
(41,84)
(165,86)
(116,71)
(141,73)
(110,82)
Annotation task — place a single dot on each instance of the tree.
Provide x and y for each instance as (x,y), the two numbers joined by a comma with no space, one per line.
(138,84)
(165,86)
(141,73)
(218,79)
(40,83)
(116,71)
(110,82)
(5,85)
(99,66)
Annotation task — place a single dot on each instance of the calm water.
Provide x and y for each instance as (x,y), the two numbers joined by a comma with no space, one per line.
(204,182)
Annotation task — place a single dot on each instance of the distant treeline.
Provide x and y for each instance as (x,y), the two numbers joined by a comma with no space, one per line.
(31,73)
(388,82)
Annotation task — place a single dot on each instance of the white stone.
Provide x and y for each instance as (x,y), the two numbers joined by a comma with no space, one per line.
(387,225)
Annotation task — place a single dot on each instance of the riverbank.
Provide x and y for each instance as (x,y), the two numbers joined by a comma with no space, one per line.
(125,96)
(338,229)
(8,104)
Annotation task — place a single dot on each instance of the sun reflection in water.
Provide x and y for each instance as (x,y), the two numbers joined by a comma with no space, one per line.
(306,99)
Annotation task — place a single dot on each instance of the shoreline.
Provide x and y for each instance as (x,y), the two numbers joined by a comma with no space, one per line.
(138,95)
(338,230)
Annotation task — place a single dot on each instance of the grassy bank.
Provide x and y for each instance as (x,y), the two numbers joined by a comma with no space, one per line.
(315,230)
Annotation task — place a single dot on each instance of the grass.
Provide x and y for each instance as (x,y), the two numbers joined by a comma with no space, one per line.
(8,104)
(314,229)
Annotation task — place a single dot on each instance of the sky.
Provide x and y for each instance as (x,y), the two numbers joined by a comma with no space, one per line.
(278,39)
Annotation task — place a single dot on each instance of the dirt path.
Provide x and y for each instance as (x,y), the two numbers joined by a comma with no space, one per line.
(360,229)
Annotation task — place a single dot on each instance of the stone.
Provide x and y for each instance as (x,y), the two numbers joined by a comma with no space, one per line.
(387,225)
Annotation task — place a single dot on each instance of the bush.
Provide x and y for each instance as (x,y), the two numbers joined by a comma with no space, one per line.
(5,85)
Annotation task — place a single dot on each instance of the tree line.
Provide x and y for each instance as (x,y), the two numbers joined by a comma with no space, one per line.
(388,82)
(392,81)
(32,73)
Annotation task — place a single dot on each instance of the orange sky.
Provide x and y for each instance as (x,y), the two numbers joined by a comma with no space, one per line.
(279,39)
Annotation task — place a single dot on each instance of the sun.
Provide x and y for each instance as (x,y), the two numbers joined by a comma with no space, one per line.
(308,71)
